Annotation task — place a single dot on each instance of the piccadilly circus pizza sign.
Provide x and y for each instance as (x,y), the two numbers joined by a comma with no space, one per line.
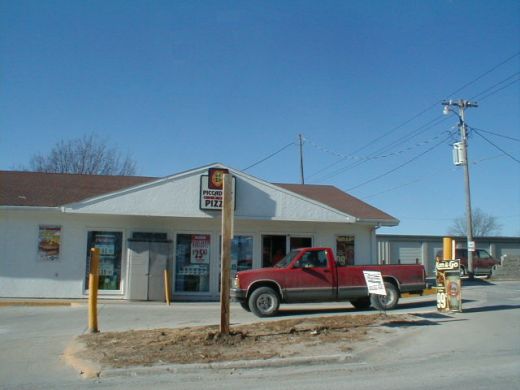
(212,189)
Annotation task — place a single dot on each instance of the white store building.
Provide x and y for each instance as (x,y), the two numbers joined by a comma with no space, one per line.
(144,225)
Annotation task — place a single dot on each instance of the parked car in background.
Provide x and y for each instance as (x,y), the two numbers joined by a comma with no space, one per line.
(483,262)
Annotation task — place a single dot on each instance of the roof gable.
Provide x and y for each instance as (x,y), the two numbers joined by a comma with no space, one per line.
(129,194)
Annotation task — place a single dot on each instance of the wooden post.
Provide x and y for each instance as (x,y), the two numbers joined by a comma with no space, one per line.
(93,281)
(167,286)
(225,264)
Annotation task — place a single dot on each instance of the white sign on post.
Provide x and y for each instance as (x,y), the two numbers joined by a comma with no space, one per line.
(375,282)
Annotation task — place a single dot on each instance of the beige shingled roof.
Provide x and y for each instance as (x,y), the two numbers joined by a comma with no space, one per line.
(37,189)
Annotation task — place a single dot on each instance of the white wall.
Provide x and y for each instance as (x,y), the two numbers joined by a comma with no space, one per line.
(23,274)
(179,197)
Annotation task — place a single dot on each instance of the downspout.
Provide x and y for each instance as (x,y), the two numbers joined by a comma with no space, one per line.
(373,246)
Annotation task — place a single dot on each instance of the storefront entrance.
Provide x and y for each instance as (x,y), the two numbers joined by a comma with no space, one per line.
(147,261)
(274,247)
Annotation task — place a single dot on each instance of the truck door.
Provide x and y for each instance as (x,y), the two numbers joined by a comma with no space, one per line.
(311,278)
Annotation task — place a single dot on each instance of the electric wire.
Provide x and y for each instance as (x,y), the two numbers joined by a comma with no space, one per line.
(377,139)
(477,96)
(496,146)
(268,157)
(399,166)
(497,134)
(498,90)
(428,176)
(425,127)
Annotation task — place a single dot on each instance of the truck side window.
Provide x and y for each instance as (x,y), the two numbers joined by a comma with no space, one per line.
(313,259)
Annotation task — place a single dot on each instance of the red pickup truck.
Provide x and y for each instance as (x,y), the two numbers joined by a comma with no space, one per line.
(313,275)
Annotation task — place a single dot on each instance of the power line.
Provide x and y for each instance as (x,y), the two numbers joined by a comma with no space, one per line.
(496,146)
(372,157)
(498,90)
(268,157)
(427,175)
(398,167)
(428,126)
(435,104)
(477,97)
(498,135)
(482,75)
(360,160)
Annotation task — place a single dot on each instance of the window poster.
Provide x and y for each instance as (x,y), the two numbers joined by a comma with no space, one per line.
(345,250)
(49,240)
(110,248)
(200,249)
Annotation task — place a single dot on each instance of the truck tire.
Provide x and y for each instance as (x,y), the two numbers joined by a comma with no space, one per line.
(388,302)
(361,303)
(264,302)
(245,306)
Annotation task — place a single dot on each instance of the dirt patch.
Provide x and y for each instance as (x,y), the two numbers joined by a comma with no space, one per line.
(262,340)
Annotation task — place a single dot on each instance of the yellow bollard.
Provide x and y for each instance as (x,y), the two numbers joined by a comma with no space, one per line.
(167,287)
(93,281)
(447,245)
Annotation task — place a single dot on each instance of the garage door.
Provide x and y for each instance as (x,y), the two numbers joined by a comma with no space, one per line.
(408,253)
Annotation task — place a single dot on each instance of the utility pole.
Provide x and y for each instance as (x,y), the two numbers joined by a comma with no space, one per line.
(462,105)
(301,158)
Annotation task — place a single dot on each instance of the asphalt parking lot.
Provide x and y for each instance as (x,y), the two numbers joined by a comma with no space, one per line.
(33,337)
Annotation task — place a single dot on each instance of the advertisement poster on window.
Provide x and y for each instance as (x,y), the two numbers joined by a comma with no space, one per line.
(49,239)
(200,249)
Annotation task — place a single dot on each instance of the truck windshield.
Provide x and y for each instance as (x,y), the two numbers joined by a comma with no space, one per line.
(287,259)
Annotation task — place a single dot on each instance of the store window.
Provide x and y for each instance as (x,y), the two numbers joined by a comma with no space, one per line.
(192,261)
(110,248)
(300,242)
(345,250)
(241,254)
(274,247)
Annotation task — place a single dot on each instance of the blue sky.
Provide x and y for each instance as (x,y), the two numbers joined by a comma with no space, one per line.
(180,84)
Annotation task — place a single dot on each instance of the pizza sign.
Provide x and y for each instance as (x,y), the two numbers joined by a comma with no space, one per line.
(212,189)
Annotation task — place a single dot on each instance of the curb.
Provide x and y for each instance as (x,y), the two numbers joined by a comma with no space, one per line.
(36,303)
(229,365)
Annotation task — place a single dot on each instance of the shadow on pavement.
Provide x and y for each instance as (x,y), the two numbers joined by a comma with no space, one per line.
(329,310)
(466,282)
(407,324)
(490,308)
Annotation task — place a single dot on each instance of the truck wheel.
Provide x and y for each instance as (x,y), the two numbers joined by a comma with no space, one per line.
(245,306)
(361,303)
(388,302)
(264,302)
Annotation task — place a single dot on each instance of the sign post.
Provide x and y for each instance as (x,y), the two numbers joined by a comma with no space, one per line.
(225,264)
(449,293)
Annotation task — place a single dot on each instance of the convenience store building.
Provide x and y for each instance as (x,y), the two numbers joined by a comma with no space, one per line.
(144,225)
